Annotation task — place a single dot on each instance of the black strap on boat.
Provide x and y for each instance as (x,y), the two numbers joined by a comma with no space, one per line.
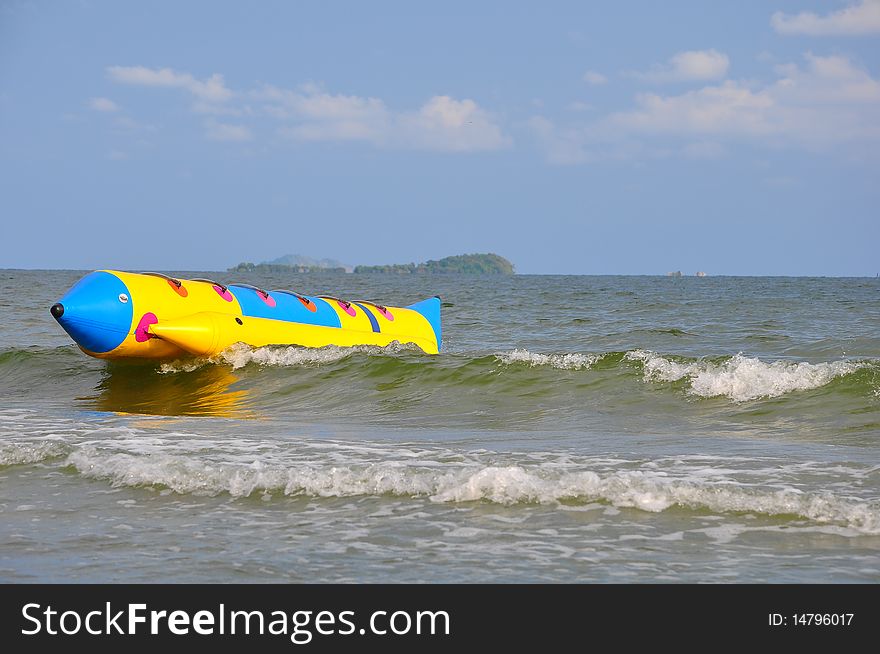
(346,304)
(259,290)
(380,307)
(174,281)
(223,287)
(302,298)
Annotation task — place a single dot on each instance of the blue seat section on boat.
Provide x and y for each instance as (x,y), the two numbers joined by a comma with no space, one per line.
(287,307)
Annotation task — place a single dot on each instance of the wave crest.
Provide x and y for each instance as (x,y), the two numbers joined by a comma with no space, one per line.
(739,378)
(12,454)
(742,378)
(638,489)
(240,355)
(569,361)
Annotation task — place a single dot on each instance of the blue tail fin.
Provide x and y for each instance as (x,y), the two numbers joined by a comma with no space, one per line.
(430,309)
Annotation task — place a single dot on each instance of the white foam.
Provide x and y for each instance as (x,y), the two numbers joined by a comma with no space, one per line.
(183,365)
(570,361)
(639,489)
(742,378)
(240,355)
(658,368)
(22,453)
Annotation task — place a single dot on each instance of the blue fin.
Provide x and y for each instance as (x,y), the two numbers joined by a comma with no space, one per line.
(430,309)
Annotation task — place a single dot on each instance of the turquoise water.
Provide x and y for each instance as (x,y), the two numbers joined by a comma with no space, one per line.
(574,429)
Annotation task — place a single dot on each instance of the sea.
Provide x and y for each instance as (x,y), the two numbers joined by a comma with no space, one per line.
(573,429)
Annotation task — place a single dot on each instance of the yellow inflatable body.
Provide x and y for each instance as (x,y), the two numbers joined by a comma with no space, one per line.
(118,315)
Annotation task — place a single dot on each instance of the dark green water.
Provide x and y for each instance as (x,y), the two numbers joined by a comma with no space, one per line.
(573,429)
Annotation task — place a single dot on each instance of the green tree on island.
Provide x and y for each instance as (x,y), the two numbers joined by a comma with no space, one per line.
(466,264)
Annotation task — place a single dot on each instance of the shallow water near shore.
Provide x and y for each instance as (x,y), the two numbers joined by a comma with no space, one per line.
(574,429)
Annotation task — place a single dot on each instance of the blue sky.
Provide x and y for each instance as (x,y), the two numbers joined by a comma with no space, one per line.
(605,137)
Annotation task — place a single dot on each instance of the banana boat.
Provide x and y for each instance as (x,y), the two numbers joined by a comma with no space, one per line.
(121,315)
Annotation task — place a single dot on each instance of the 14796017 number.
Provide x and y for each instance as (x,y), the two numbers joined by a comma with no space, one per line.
(822,619)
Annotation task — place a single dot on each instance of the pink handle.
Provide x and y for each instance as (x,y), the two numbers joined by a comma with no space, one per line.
(224,293)
(142,331)
(386,313)
(347,308)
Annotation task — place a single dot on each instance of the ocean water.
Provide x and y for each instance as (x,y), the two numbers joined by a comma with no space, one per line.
(574,429)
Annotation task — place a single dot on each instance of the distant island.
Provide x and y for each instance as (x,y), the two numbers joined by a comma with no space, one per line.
(467,264)
(293,263)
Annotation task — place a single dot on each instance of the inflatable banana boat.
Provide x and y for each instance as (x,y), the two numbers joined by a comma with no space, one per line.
(120,315)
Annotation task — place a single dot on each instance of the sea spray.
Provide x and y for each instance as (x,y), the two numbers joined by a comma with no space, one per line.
(568,361)
(742,378)
(240,355)
(645,489)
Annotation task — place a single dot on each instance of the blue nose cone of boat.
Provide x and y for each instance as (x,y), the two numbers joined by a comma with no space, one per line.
(96,312)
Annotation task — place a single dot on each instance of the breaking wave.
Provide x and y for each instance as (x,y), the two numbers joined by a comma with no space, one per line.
(645,490)
(742,378)
(571,361)
(333,375)
(241,355)
(12,454)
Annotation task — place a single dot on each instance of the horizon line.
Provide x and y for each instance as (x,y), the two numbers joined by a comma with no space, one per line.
(515,274)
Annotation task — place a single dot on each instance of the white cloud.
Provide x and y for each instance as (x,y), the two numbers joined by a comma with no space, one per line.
(824,103)
(828,101)
(858,19)
(103,104)
(117,155)
(225,132)
(309,113)
(315,115)
(212,89)
(592,77)
(689,66)
(728,107)
(442,123)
